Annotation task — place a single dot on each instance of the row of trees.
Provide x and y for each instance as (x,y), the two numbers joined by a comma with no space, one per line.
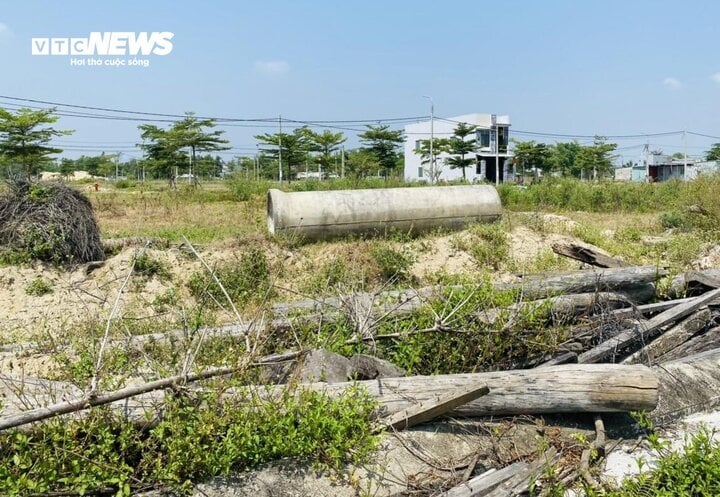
(566,159)
(187,144)
(306,149)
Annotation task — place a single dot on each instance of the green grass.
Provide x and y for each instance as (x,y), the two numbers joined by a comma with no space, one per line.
(196,438)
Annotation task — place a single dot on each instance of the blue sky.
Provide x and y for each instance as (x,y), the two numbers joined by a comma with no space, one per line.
(571,67)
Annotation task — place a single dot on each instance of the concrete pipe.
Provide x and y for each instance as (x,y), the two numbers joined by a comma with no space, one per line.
(328,214)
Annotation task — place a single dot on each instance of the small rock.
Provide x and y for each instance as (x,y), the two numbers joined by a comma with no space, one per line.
(366,367)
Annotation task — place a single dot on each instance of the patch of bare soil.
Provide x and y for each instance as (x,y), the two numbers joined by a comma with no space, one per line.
(442,254)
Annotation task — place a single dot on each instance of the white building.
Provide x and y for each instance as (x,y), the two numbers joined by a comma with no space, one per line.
(489,126)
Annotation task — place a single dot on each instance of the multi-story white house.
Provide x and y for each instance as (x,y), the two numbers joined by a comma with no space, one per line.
(492,130)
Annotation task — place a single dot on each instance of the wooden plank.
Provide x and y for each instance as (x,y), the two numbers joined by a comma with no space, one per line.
(431,409)
(486,482)
(566,358)
(519,483)
(672,338)
(700,343)
(628,337)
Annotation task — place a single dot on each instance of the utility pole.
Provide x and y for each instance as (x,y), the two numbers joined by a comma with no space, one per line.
(280,149)
(342,162)
(190,173)
(684,155)
(494,127)
(117,165)
(432,138)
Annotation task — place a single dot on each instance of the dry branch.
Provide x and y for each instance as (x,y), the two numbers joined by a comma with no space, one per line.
(88,401)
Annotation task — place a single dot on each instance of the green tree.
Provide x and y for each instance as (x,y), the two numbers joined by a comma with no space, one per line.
(713,153)
(167,148)
(528,154)
(596,158)
(361,163)
(67,167)
(384,144)
(562,156)
(439,146)
(24,138)
(459,146)
(326,144)
(295,148)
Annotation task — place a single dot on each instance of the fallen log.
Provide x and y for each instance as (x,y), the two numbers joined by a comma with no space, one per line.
(586,254)
(551,390)
(562,308)
(569,388)
(635,280)
(616,344)
(672,338)
(431,409)
(687,385)
(694,282)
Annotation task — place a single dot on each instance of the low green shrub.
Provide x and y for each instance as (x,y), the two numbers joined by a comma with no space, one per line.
(196,438)
(149,266)
(247,280)
(488,244)
(393,264)
(38,287)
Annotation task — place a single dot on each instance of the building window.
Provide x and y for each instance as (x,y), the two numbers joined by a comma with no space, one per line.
(503,136)
(483,138)
(420,172)
(418,144)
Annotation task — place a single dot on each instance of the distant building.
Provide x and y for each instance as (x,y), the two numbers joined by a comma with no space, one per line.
(660,167)
(492,129)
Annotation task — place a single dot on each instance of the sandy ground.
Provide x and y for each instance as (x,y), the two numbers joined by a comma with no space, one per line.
(623,461)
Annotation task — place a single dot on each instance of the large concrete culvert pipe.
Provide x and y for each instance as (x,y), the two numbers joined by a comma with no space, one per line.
(329,214)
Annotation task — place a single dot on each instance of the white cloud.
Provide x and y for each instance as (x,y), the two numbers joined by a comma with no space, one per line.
(716,77)
(4,29)
(672,83)
(272,67)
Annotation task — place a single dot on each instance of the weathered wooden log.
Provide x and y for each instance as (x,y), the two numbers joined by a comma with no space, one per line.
(633,280)
(587,254)
(563,308)
(431,409)
(694,283)
(699,343)
(568,388)
(557,389)
(672,338)
(626,280)
(687,385)
(620,342)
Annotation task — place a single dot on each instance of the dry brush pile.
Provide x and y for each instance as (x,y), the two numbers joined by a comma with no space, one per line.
(50,222)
